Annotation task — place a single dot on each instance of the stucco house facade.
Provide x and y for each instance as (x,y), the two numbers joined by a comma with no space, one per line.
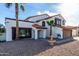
(36,27)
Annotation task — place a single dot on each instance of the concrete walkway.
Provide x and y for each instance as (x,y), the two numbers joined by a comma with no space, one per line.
(67,49)
(61,41)
(76,38)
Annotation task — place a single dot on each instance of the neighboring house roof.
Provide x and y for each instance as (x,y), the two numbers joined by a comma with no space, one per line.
(38,26)
(19,20)
(69,27)
(37,17)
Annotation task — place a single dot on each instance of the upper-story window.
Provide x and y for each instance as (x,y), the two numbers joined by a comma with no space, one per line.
(57,21)
(63,22)
(43,23)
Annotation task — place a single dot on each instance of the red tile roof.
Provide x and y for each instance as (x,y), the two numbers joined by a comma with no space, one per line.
(38,26)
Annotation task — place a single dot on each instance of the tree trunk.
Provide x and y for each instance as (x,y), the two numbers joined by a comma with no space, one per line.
(50,30)
(17,24)
(51,33)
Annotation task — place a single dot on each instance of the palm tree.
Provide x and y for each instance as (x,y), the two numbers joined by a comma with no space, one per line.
(17,5)
(50,23)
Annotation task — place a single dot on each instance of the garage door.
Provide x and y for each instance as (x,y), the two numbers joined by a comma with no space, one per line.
(67,33)
(23,33)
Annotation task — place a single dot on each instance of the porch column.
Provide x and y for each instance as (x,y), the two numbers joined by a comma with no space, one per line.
(36,34)
(44,34)
(8,34)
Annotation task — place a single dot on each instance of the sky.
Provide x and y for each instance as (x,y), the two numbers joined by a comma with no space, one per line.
(70,11)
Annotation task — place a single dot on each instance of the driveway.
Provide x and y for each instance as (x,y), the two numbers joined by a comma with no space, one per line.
(28,47)
(24,47)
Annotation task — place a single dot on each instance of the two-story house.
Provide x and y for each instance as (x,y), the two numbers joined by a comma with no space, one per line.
(36,27)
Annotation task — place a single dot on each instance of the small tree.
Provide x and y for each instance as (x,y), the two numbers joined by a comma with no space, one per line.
(51,23)
(2,28)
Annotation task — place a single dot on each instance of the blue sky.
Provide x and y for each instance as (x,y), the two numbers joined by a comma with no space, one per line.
(69,11)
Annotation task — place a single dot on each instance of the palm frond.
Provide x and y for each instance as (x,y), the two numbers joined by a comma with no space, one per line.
(48,22)
(51,22)
(8,5)
(22,7)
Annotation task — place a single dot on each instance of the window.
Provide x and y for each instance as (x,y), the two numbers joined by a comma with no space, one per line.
(57,21)
(22,32)
(63,22)
(43,23)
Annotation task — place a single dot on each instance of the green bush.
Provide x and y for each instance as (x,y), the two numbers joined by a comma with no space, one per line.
(2,30)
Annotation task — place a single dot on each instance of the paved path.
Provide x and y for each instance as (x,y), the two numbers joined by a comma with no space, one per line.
(67,49)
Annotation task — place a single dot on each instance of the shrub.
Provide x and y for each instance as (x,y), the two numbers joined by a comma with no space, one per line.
(2,30)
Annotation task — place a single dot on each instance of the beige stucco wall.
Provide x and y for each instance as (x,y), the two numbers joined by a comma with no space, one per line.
(74,32)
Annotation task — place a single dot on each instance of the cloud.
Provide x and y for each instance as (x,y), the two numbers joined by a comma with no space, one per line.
(70,11)
(46,12)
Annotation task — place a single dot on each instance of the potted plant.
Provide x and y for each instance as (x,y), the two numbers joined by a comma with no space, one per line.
(51,23)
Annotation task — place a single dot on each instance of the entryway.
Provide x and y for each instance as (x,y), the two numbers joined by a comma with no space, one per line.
(40,34)
(23,33)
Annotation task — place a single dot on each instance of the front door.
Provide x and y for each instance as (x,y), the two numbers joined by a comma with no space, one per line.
(40,34)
